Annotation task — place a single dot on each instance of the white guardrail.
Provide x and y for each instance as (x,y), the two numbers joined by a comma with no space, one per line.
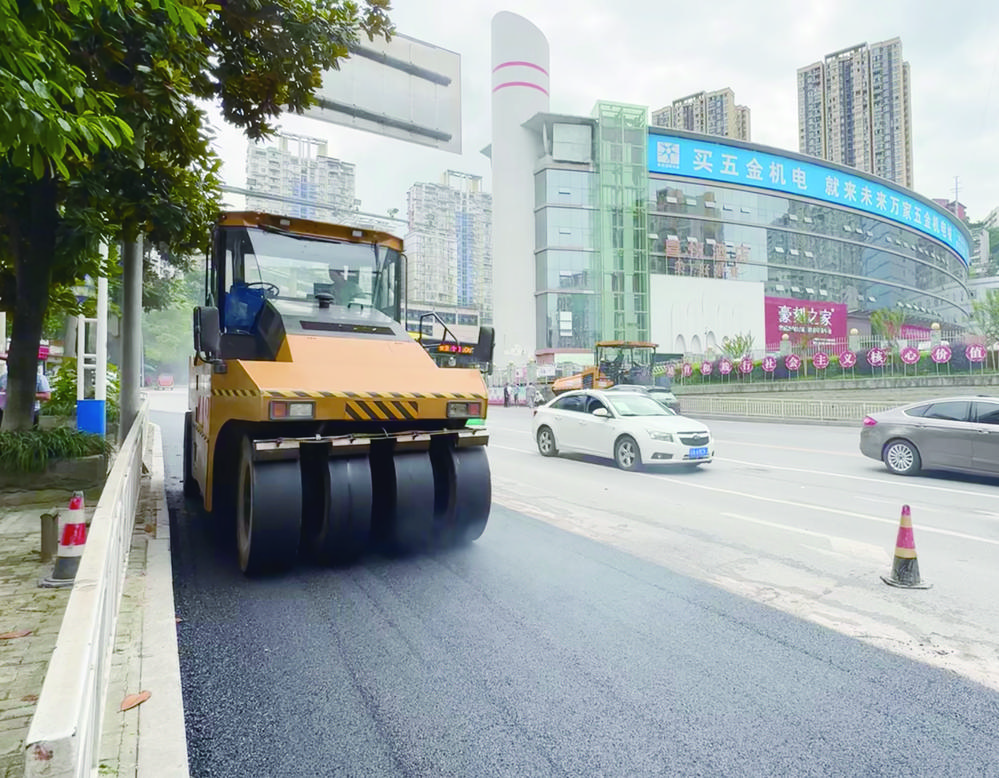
(65,733)
(781,408)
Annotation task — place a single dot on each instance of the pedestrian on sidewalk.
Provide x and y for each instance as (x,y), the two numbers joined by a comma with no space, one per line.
(506,395)
(43,393)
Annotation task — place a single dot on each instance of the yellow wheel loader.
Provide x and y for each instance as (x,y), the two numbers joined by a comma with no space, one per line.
(315,419)
(614,362)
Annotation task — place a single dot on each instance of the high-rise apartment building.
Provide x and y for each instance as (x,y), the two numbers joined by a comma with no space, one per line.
(854,108)
(711,113)
(297,168)
(449,249)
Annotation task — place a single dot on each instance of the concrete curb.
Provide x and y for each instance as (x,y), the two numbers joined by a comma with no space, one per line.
(162,749)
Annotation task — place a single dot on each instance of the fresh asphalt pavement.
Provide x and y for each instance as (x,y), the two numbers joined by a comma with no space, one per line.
(537,651)
(793,516)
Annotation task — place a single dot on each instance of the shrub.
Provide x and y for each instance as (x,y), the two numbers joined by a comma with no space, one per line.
(63,400)
(30,451)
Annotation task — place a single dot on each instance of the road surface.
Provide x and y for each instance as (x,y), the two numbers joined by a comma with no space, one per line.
(541,651)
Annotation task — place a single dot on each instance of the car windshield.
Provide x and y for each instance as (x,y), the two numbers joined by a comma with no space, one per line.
(637,405)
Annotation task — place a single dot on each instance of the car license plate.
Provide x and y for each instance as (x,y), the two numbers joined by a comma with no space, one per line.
(699,453)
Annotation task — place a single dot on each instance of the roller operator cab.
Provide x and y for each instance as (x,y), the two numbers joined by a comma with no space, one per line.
(315,419)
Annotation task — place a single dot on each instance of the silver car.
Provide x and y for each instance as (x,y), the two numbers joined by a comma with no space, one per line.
(951,433)
(660,394)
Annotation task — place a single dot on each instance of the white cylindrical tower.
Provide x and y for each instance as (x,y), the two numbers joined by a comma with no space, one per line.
(520,90)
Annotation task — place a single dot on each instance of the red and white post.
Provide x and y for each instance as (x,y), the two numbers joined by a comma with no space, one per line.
(72,538)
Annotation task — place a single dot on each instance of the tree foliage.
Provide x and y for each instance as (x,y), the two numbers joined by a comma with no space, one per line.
(167,334)
(887,323)
(738,346)
(985,315)
(102,136)
(49,113)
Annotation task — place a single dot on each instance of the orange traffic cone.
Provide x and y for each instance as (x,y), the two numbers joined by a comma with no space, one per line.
(905,568)
(72,537)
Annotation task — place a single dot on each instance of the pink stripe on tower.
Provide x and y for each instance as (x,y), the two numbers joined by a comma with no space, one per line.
(518,63)
(520,83)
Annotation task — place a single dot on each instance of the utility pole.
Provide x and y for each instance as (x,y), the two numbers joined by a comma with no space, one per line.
(131,317)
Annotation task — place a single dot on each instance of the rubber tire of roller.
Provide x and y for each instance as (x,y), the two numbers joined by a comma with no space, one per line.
(464,494)
(268,513)
(411,519)
(191,488)
(337,527)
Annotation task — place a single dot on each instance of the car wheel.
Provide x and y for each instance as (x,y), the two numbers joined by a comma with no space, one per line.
(901,457)
(626,453)
(546,442)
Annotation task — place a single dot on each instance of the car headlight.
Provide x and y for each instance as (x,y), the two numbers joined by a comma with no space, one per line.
(666,437)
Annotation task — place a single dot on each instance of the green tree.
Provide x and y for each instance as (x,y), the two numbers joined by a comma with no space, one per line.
(887,323)
(985,315)
(102,136)
(993,251)
(167,334)
(738,346)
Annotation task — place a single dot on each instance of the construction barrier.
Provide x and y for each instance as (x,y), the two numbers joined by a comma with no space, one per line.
(905,566)
(64,736)
(72,538)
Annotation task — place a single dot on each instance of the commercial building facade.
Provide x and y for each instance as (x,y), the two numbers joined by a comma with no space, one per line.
(643,233)
(679,238)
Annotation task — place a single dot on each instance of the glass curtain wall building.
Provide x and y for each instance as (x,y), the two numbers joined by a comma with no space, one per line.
(566,196)
(803,228)
(618,204)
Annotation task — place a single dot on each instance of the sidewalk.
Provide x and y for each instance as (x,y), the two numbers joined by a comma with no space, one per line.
(145,652)
(25,608)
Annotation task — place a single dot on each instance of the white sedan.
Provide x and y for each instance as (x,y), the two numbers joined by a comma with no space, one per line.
(630,428)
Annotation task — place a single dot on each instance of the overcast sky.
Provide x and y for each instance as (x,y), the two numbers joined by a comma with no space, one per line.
(650,52)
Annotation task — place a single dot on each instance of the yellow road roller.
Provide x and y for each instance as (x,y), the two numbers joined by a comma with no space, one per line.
(314,418)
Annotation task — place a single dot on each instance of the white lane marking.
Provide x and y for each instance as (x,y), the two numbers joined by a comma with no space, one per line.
(893,481)
(884,481)
(805,505)
(511,448)
(723,441)
(846,546)
(837,511)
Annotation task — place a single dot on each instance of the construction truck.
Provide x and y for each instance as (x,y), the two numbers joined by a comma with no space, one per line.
(315,420)
(614,362)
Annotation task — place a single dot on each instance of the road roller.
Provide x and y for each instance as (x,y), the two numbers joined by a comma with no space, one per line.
(315,420)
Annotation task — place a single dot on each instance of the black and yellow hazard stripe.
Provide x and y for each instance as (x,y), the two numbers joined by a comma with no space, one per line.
(360,406)
(298,394)
(292,394)
(382,410)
